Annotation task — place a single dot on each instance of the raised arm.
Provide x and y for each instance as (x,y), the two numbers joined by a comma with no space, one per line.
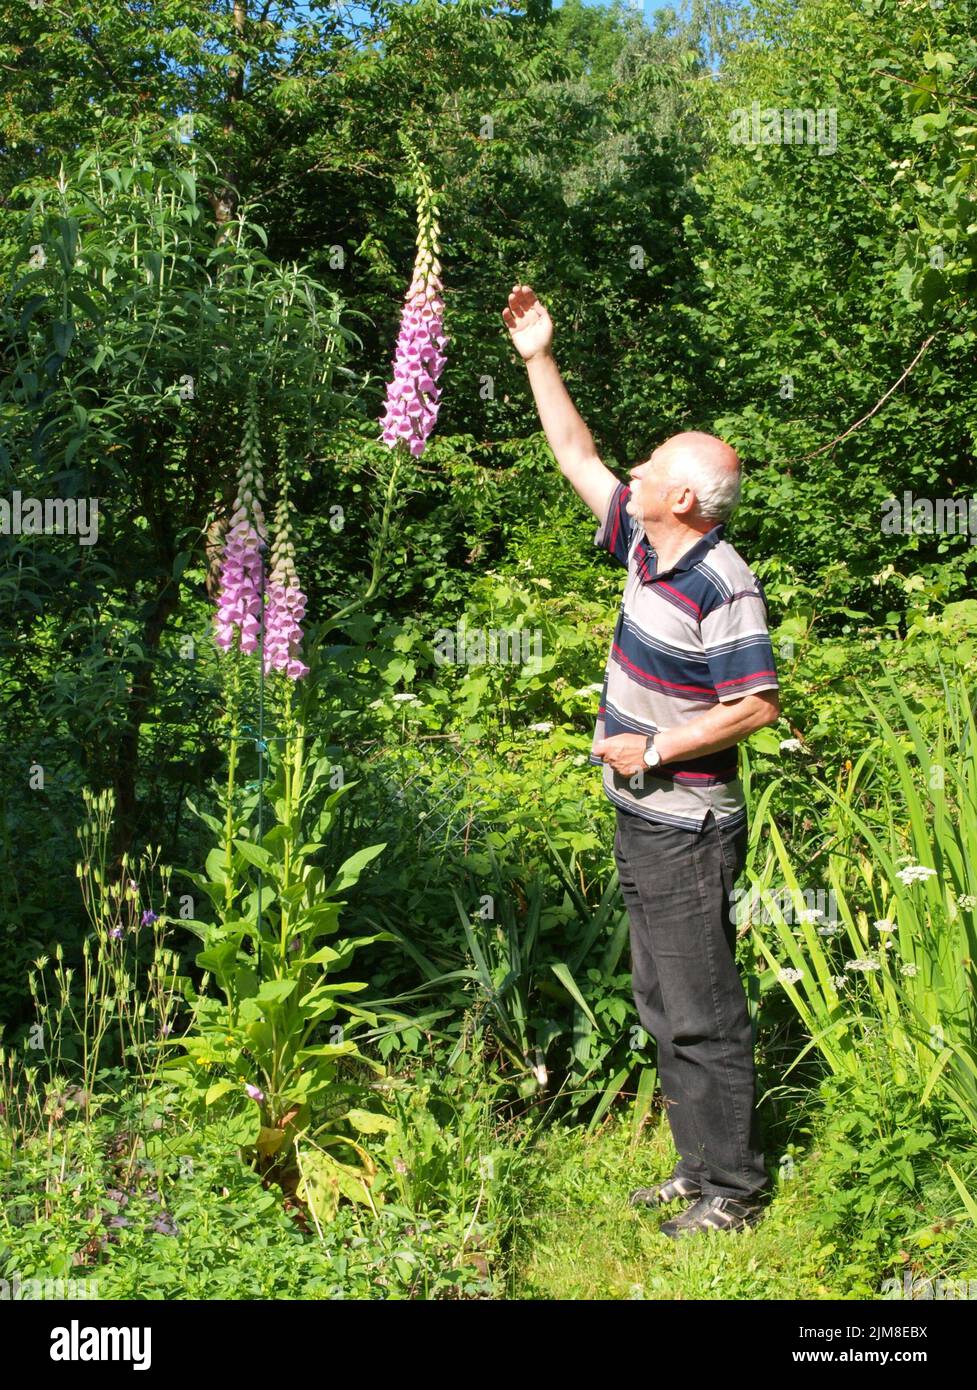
(531,330)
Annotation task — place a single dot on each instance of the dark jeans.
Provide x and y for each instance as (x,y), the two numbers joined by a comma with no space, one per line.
(677,887)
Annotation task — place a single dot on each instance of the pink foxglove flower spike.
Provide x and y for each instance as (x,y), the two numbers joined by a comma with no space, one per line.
(413,397)
(285,608)
(239,602)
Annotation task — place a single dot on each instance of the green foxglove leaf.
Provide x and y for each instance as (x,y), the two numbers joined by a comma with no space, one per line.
(218,959)
(254,854)
(216,866)
(275,991)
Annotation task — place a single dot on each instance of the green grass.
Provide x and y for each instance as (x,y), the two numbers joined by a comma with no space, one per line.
(558,1228)
(576,1238)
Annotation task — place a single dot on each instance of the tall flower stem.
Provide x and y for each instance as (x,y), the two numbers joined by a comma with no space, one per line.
(290,772)
(232,717)
(378,552)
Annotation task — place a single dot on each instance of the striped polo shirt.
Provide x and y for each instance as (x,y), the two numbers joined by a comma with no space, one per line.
(685,639)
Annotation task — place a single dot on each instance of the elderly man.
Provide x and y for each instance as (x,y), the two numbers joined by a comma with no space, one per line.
(689,674)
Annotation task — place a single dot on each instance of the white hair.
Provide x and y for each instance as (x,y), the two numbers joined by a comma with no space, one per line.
(717,489)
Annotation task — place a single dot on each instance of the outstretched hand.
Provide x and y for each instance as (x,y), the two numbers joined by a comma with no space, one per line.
(528,322)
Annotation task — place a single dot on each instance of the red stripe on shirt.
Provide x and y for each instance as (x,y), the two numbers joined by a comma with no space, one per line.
(656,680)
(751,677)
(684,597)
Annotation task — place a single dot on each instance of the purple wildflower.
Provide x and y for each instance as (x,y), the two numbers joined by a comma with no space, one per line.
(239,603)
(115,933)
(413,398)
(286,602)
(148,918)
(255,1092)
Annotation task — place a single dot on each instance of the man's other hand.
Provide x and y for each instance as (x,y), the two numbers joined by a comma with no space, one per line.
(623,752)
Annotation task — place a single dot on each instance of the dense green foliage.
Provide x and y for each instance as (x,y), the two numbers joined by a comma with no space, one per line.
(204,203)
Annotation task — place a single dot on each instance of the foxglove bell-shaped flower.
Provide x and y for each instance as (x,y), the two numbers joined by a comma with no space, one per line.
(239,602)
(285,608)
(413,397)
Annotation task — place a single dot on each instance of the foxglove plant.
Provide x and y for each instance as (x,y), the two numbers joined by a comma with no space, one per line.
(243,592)
(286,602)
(239,602)
(262,1048)
(413,396)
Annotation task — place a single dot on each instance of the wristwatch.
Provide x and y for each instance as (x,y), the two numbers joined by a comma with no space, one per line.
(651,756)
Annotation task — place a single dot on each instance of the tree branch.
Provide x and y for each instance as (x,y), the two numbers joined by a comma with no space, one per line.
(877,406)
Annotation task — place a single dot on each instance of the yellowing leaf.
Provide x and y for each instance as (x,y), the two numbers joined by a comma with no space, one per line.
(269,1141)
(319,1184)
(369,1122)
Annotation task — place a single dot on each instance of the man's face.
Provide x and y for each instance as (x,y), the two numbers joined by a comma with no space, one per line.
(652,490)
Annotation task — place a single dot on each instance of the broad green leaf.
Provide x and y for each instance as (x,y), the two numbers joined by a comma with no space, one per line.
(254,854)
(351,869)
(275,991)
(219,1088)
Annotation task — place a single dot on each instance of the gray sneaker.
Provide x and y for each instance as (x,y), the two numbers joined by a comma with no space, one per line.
(714,1214)
(662,1193)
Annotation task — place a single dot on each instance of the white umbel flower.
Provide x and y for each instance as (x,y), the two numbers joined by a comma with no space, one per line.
(915,873)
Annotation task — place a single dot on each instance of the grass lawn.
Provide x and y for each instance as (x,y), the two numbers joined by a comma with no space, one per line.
(575,1236)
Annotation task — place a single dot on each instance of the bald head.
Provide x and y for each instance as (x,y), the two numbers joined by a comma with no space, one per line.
(707,465)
